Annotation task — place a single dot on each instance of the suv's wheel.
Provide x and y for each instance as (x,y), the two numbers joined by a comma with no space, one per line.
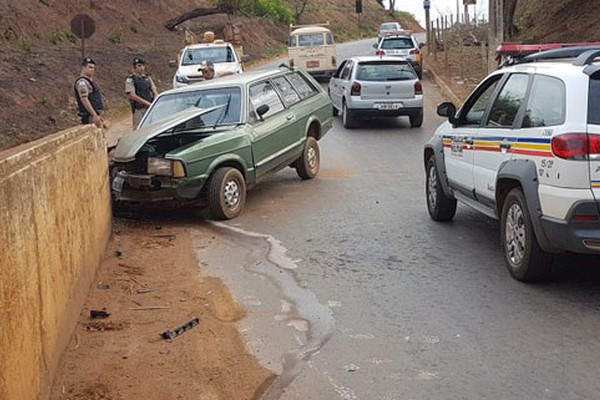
(416,120)
(347,117)
(440,206)
(307,166)
(226,193)
(335,111)
(524,258)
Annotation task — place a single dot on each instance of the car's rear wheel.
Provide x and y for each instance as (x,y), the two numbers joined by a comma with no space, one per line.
(416,120)
(347,117)
(525,260)
(226,193)
(440,206)
(307,166)
(335,111)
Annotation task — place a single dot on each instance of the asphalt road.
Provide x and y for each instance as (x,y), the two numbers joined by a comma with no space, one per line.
(353,292)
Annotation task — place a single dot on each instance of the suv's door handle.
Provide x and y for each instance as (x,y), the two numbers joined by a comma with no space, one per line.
(289,117)
(505,146)
(469,141)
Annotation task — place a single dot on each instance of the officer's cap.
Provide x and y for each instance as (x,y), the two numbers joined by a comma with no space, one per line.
(138,60)
(87,61)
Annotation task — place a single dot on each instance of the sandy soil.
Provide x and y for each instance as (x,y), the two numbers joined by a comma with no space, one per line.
(151,282)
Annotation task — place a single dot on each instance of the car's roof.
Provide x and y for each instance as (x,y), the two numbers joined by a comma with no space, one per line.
(309,29)
(218,43)
(390,23)
(230,80)
(360,59)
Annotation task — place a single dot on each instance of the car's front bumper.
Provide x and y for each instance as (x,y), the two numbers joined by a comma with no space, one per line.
(145,188)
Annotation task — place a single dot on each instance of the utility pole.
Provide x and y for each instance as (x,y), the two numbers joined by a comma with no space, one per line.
(426,6)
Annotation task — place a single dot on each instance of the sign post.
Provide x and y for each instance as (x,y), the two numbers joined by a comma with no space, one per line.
(83,26)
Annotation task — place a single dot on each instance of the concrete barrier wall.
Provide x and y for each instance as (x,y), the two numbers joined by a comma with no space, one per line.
(55,221)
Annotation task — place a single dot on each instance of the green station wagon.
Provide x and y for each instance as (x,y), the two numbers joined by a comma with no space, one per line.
(206,143)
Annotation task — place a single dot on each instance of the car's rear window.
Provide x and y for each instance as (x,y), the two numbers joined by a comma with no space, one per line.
(594,100)
(385,71)
(307,40)
(397,43)
(217,54)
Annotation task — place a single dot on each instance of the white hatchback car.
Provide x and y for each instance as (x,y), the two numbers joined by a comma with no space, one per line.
(376,87)
(525,149)
(222,54)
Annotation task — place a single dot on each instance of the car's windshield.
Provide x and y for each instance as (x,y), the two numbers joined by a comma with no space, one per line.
(397,43)
(229,100)
(216,54)
(385,71)
(388,27)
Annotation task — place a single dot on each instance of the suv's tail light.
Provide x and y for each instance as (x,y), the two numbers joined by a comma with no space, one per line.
(355,90)
(291,62)
(576,146)
(333,61)
(380,53)
(418,88)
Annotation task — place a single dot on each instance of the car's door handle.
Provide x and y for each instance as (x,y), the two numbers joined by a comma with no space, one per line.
(289,117)
(469,141)
(505,146)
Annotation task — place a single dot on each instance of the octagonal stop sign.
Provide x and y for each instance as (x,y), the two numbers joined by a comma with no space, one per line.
(83,26)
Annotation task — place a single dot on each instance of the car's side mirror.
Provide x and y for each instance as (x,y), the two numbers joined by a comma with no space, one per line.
(448,110)
(262,110)
(375,45)
(421,44)
(172,63)
(246,58)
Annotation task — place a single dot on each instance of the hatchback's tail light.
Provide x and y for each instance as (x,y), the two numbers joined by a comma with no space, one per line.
(355,90)
(291,62)
(380,53)
(418,88)
(576,146)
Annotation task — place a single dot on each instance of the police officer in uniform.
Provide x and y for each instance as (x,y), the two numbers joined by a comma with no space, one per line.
(141,90)
(87,94)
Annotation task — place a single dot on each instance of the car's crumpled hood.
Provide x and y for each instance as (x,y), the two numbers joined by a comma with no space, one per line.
(131,143)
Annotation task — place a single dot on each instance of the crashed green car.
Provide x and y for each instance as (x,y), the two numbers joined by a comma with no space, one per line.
(207,143)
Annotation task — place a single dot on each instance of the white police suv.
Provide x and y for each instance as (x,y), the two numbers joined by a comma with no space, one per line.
(525,149)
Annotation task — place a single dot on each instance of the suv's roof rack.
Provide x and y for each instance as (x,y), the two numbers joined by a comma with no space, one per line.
(324,24)
(539,52)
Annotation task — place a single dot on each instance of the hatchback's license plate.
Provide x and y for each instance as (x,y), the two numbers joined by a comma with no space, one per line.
(388,106)
(312,64)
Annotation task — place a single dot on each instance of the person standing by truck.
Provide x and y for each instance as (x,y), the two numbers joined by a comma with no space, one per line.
(141,90)
(87,94)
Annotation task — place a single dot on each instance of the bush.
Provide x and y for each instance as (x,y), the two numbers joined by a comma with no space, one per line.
(115,38)
(273,9)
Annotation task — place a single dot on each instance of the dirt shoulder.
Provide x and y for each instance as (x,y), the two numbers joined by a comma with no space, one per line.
(151,282)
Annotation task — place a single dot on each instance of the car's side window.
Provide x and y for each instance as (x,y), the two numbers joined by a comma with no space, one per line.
(347,70)
(547,103)
(329,38)
(476,105)
(264,93)
(287,91)
(509,101)
(302,86)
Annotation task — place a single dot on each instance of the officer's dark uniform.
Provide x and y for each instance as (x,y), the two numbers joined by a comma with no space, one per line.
(93,96)
(143,88)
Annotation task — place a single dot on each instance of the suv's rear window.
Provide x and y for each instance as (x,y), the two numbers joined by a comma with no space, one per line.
(397,43)
(311,40)
(546,104)
(594,100)
(217,54)
(385,71)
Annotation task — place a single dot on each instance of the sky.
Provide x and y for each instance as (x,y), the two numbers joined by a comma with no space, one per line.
(439,8)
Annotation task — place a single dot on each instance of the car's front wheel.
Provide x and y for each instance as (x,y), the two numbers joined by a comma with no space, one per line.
(440,206)
(226,193)
(307,166)
(525,260)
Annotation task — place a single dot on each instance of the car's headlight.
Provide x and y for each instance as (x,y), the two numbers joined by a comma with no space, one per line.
(182,79)
(165,167)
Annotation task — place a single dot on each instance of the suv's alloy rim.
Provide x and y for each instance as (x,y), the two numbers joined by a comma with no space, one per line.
(515,234)
(432,187)
(231,194)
